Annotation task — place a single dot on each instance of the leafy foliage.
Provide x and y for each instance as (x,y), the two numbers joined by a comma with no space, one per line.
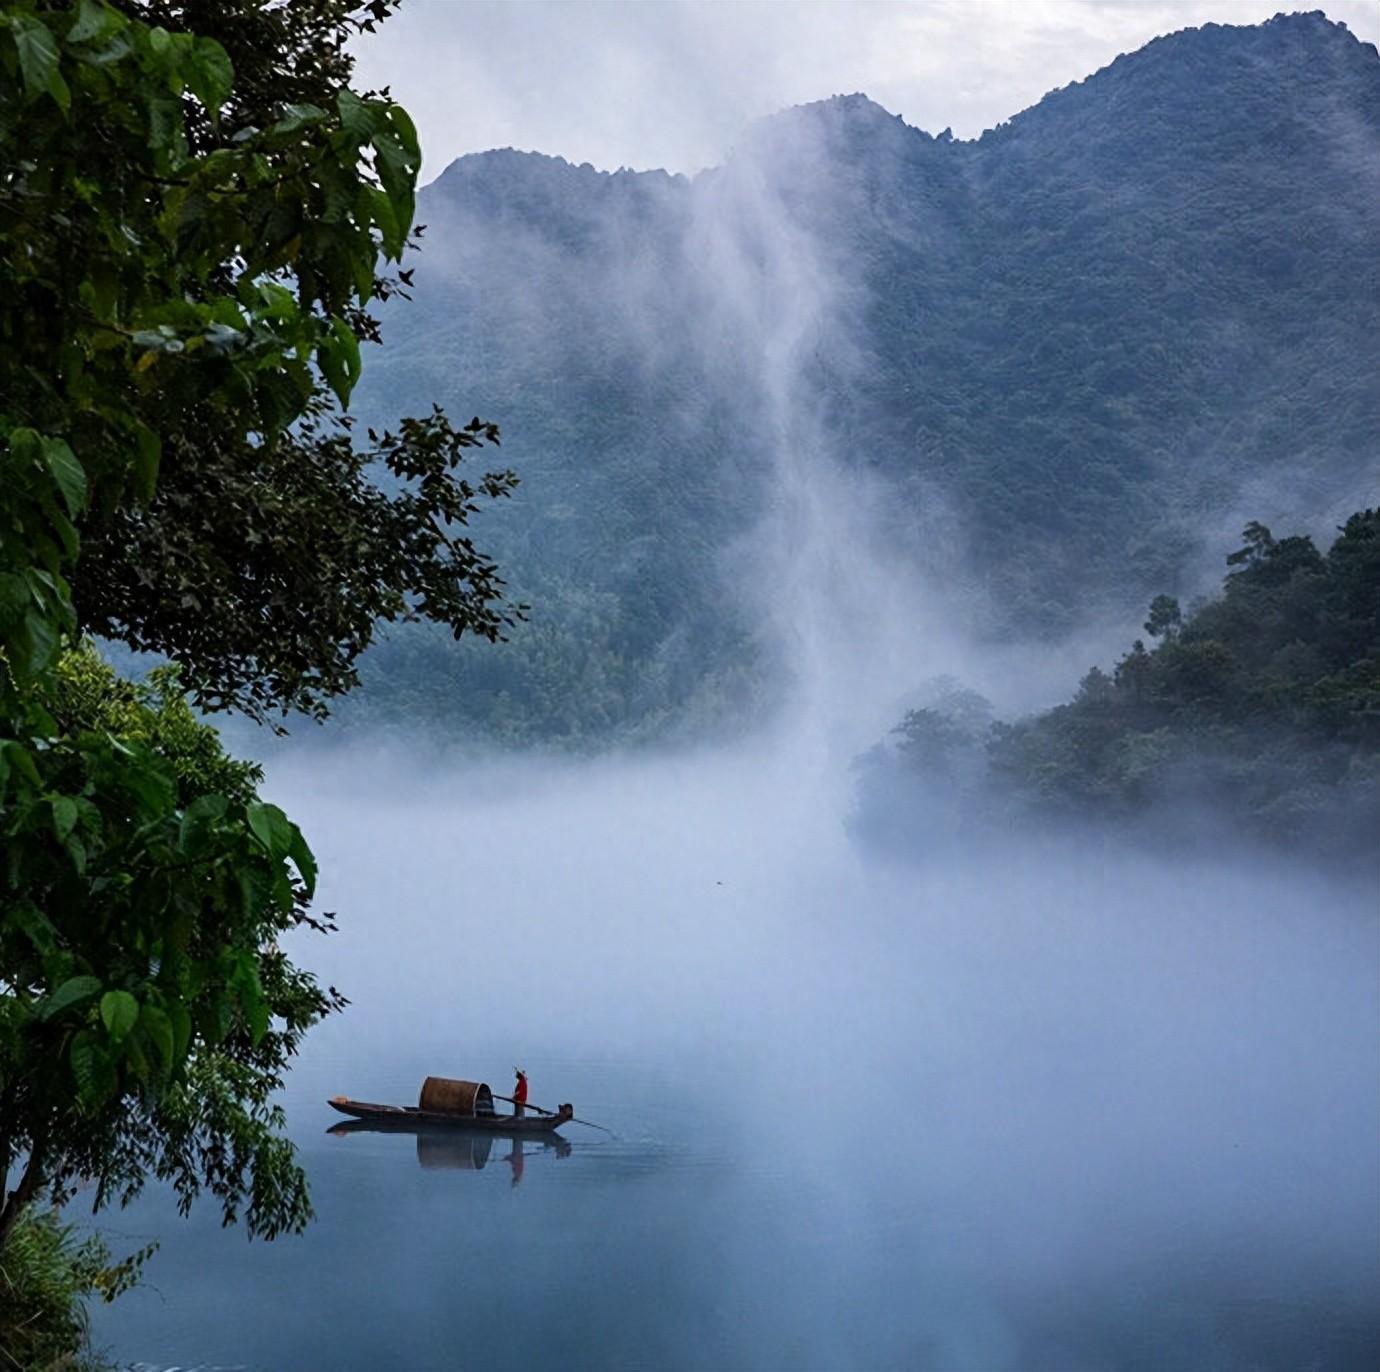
(170,276)
(47,1274)
(189,236)
(270,602)
(149,1011)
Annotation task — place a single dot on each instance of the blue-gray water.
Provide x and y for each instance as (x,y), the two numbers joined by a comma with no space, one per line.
(1032,1107)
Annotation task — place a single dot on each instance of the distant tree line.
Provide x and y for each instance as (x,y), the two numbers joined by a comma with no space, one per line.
(1259,708)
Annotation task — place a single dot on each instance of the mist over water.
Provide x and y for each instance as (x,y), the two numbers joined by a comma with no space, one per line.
(1033,1106)
(1024,1103)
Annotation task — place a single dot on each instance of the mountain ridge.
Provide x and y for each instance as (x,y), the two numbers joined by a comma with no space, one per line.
(1079,351)
(1169,45)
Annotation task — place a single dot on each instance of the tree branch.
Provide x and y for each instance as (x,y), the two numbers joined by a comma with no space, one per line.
(27,1189)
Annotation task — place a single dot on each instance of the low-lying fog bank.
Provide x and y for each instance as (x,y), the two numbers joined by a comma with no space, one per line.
(1032,1105)
(1081,1048)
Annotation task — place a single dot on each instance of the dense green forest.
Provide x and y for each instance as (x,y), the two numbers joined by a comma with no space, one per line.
(1078,352)
(1257,711)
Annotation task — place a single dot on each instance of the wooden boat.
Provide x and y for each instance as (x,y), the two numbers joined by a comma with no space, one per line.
(410,1117)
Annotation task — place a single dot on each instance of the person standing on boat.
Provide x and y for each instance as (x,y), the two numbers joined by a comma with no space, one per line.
(520,1094)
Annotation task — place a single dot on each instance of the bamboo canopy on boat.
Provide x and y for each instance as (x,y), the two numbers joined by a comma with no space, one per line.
(456,1097)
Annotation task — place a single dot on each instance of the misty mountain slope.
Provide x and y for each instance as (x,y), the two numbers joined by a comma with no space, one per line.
(1255,716)
(1063,359)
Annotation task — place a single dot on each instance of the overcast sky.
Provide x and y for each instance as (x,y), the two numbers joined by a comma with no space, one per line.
(672,83)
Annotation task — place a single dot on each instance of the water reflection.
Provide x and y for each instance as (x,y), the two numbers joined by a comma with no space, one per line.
(1030,1111)
(464,1150)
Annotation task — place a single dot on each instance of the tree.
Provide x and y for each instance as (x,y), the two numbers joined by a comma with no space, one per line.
(257,224)
(149,1011)
(1256,543)
(942,738)
(1265,704)
(189,244)
(1166,618)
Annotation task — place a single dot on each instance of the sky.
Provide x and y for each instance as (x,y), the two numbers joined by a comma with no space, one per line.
(673,83)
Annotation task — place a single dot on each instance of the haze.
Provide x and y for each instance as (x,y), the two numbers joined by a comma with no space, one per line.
(1022,1099)
(670,84)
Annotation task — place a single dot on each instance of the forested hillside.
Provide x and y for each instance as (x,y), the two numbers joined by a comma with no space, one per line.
(1078,352)
(1258,711)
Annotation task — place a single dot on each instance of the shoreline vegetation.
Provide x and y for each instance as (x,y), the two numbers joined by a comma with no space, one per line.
(49,1273)
(1256,713)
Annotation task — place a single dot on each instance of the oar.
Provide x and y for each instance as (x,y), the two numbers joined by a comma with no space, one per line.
(542,1111)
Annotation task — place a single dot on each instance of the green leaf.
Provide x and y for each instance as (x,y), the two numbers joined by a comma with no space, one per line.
(57,88)
(397,169)
(197,818)
(165,120)
(273,302)
(380,210)
(406,133)
(43,641)
(119,1012)
(256,1016)
(181,1023)
(25,445)
(96,1077)
(64,816)
(271,827)
(338,354)
(214,1018)
(210,74)
(297,117)
(147,451)
(303,859)
(14,597)
(67,472)
(76,850)
(38,52)
(20,760)
(255,890)
(95,20)
(159,1028)
(117,48)
(64,529)
(35,925)
(72,992)
(357,116)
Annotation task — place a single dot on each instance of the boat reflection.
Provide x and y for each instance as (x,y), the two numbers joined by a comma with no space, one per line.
(465,1150)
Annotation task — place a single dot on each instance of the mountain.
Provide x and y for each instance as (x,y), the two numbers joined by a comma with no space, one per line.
(1059,363)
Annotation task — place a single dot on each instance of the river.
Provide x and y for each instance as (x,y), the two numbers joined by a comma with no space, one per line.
(1024,1106)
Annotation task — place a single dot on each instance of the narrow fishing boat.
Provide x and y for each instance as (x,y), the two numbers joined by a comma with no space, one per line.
(448,1103)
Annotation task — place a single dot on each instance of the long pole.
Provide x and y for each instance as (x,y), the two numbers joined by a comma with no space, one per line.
(543,1111)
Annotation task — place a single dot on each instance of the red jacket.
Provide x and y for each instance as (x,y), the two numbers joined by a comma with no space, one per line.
(520,1091)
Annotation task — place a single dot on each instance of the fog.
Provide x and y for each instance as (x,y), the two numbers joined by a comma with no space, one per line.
(1017,1107)
(672,83)
(1021,1102)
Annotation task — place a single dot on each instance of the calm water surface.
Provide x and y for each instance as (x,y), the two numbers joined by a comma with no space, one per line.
(1034,1108)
